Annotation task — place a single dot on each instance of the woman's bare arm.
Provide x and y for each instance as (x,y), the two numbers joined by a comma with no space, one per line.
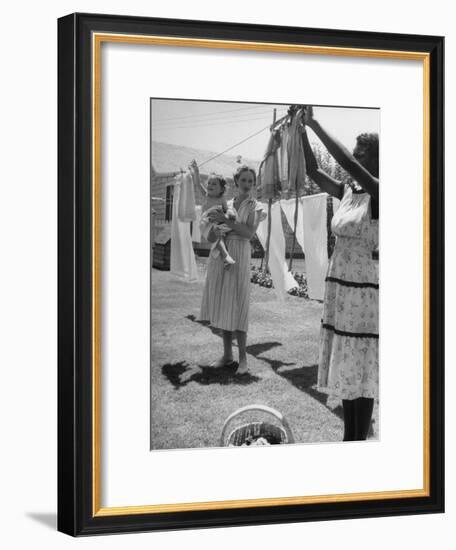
(329,184)
(246,230)
(343,156)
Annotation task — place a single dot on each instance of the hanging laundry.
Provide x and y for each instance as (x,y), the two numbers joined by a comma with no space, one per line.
(315,243)
(289,206)
(312,237)
(186,209)
(268,172)
(183,263)
(282,279)
(296,160)
(196,230)
(283,158)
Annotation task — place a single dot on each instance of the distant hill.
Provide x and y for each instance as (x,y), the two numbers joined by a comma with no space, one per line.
(167,157)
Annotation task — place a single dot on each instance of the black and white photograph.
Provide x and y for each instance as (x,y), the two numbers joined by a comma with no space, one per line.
(264,278)
(218,331)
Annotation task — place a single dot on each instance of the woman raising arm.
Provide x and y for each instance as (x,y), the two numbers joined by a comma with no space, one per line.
(361,165)
(348,357)
(328,184)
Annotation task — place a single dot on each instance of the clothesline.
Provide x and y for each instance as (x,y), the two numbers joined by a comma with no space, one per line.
(253,109)
(235,145)
(214,121)
(310,229)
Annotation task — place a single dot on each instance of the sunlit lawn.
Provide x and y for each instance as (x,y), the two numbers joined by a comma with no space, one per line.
(190,400)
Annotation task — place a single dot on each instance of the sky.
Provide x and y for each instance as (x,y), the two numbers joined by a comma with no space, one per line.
(216,126)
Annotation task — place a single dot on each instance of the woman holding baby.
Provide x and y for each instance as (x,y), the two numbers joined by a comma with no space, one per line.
(226,295)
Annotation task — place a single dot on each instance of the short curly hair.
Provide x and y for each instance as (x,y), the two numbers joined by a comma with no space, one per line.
(370,141)
(221,180)
(244,168)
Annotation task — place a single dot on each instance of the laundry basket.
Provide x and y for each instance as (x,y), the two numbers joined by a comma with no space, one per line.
(253,431)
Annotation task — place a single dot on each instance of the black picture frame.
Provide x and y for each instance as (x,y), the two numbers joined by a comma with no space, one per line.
(75,275)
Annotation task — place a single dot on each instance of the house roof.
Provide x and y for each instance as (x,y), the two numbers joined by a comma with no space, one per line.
(167,157)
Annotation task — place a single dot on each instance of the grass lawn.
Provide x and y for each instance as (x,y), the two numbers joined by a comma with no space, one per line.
(190,400)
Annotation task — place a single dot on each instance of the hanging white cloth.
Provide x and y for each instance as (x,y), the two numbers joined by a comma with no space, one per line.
(187,205)
(289,206)
(315,243)
(196,230)
(183,263)
(282,279)
(336,204)
(312,237)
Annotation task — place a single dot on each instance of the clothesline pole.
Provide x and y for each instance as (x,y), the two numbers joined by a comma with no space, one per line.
(268,240)
(290,264)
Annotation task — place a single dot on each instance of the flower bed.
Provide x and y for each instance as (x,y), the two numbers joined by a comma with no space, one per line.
(261,277)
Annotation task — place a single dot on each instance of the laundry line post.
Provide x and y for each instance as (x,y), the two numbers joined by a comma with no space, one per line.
(268,239)
(293,244)
(290,263)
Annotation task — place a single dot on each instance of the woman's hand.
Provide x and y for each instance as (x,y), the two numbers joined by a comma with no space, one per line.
(217,232)
(216,217)
(222,229)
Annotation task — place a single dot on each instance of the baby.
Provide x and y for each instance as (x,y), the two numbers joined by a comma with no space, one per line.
(215,201)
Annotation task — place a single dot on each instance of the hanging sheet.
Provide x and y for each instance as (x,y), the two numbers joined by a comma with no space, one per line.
(282,279)
(196,230)
(187,205)
(312,237)
(289,206)
(315,243)
(183,263)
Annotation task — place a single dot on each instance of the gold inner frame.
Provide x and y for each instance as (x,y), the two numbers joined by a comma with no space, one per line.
(97,40)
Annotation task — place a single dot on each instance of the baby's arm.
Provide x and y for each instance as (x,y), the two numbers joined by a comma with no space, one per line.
(196,176)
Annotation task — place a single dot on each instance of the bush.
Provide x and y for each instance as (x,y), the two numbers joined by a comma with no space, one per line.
(263,278)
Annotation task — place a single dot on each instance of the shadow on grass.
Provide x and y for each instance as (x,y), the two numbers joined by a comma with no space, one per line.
(303,378)
(206,324)
(180,374)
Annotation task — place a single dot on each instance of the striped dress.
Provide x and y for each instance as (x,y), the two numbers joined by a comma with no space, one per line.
(226,295)
(348,362)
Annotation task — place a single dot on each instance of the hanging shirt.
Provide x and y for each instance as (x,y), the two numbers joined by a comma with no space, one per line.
(282,279)
(183,263)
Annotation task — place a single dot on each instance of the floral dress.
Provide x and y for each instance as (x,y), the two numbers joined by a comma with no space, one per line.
(348,361)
